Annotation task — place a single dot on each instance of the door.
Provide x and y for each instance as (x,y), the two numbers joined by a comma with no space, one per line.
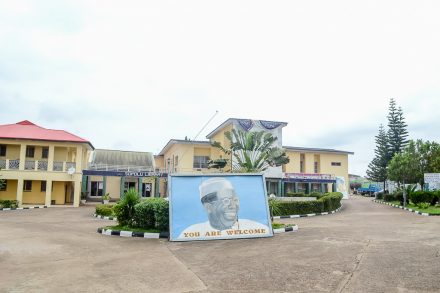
(146,189)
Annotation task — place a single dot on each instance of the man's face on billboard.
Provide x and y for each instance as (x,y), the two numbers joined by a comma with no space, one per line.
(223,209)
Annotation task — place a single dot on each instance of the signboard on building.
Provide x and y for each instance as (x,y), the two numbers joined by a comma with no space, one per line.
(309,176)
(220,206)
(432,180)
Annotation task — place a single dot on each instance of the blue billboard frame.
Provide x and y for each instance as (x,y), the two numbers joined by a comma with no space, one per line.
(252,214)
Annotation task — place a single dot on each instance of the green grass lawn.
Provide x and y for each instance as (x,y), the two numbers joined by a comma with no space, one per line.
(431,210)
(128,228)
(280,225)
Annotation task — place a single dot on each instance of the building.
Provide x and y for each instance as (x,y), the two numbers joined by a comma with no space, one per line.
(309,169)
(41,166)
(114,172)
(33,158)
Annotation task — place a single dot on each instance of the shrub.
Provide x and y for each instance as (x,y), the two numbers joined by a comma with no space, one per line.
(144,214)
(161,214)
(418,197)
(435,197)
(389,197)
(152,213)
(295,194)
(380,195)
(104,210)
(124,209)
(6,203)
(328,202)
(423,205)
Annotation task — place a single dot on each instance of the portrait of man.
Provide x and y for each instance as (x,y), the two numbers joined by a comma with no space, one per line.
(221,205)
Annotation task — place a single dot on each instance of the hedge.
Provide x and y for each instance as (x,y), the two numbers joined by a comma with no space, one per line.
(152,213)
(6,203)
(327,203)
(104,210)
(301,194)
(422,197)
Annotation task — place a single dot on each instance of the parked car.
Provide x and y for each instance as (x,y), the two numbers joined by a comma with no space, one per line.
(369,188)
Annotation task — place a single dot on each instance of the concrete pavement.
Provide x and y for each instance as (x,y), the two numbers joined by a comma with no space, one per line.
(366,247)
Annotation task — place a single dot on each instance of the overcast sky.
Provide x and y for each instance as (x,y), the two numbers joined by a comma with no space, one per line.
(132,74)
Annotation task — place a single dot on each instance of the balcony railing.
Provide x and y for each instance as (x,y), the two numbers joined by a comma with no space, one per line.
(29,165)
(42,165)
(13,164)
(34,165)
(57,166)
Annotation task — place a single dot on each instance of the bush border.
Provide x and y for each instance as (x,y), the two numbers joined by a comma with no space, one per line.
(308,215)
(112,218)
(293,228)
(110,232)
(406,209)
(23,208)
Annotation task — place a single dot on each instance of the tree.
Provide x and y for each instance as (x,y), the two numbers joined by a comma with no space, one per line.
(252,151)
(397,130)
(377,169)
(418,158)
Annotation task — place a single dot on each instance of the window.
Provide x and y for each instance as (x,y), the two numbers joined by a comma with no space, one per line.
(316,167)
(96,188)
(43,186)
(200,162)
(2,150)
(30,151)
(336,163)
(129,185)
(27,185)
(44,152)
(5,185)
(302,158)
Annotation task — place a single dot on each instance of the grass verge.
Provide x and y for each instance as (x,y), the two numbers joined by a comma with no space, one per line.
(430,210)
(280,225)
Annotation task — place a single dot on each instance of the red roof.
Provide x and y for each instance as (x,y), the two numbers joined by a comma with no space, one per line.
(28,130)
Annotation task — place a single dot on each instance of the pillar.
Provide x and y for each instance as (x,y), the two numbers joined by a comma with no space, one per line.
(48,198)
(322,187)
(20,190)
(140,186)
(121,195)
(76,192)
(104,185)
(157,187)
(295,187)
(79,158)
(282,188)
(84,183)
(334,187)
(309,188)
(22,159)
(50,158)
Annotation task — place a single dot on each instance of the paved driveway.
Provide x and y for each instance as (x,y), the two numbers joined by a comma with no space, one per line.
(366,247)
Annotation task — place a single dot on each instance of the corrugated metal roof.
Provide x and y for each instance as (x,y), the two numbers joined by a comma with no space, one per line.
(122,158)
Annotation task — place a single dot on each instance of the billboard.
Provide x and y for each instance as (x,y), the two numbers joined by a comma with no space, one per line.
(432,180)
(218,206)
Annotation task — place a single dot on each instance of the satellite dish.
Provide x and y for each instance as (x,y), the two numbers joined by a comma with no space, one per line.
(71,171)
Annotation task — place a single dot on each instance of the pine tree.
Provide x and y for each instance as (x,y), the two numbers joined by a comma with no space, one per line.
(397,130)
(377,169)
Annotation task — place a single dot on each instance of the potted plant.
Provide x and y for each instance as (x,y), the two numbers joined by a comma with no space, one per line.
(83,197)
(106,198)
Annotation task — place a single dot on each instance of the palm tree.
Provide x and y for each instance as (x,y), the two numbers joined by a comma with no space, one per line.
(252,151)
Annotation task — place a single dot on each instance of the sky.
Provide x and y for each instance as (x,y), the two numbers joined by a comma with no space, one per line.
(131,75)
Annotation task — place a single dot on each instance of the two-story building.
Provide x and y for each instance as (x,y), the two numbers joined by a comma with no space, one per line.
(309,169)
(41,166)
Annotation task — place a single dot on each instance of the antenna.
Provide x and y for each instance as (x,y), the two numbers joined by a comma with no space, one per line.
(204,126)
